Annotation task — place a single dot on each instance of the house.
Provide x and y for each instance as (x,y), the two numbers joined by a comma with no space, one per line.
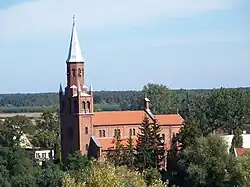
(238,152)
(91,132)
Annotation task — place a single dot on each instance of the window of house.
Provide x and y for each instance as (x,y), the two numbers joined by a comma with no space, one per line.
(130,132)
(133,132)
(37,155)
(115,132)
(43,155)
(103,133)
(86,147)
(86,130)
(100,133)
(73,72)
(79,72)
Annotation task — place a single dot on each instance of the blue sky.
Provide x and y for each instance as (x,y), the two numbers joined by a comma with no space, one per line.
(178,43)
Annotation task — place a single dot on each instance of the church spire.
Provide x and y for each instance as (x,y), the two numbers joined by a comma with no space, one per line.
(75,54)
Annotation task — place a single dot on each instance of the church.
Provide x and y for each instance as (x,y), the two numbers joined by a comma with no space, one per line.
(91,132)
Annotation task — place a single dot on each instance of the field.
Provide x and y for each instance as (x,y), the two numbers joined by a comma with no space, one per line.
(27,114)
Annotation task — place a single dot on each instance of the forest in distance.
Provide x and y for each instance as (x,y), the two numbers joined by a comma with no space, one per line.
(104,100)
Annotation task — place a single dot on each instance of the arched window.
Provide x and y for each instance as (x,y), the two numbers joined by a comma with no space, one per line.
(86,130)
(130,132)
(79,72)
(83,106)
(73,72)
(100,133)
(86,147)
(133,132)
(115,132)
(88,105)
(163,137)
(103,133)
(119,132)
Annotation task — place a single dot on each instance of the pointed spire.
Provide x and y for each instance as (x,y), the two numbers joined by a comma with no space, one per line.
(75,54)
(91,88)
(60,88)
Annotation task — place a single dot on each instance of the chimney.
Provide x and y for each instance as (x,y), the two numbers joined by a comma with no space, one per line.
(146,103)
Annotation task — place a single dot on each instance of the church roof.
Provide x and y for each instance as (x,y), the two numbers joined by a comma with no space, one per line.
(75,54)
(133,117)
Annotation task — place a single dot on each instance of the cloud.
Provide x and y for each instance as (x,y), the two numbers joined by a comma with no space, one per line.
(52,17)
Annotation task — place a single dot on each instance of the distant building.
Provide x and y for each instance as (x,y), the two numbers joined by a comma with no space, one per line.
(93,132)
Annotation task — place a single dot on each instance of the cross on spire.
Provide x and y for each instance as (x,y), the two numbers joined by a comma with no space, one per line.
(74,19)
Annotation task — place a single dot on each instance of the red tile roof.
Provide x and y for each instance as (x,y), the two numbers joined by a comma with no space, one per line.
(133,117)
(118,117)
(241,151)
(169,119)
(109,143)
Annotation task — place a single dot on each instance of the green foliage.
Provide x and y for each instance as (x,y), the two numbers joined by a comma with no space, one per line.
(148,148)
(15,167)
(160,98)
(151,175)
(129,154)
(48,175)
(237,140)
(206,163)
(189,133)
(47,134)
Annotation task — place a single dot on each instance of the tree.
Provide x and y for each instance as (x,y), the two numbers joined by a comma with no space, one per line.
(149,149)
(206,163)
(160,97)
(189,133)
(129,153)
(48,175)
(48,133)
(237,140)
(117,156)
(15,166)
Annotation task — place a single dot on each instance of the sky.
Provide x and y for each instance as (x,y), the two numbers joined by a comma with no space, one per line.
(126,44)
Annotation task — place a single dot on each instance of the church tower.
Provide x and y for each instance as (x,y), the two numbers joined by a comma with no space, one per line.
(76,103)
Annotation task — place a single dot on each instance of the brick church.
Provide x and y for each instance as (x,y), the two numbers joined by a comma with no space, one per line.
(93,132)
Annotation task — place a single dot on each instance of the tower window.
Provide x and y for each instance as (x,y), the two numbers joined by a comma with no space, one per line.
(73,72)
(79,72)
(86,130)
(103,133)
(130,132)
(86,147)
(100,133)
(133,132)
(83,106)
(88,106)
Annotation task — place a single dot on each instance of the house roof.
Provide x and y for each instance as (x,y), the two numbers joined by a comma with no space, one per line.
(241,151)
(109,143)
(133,117)
(169,119)
(118,117)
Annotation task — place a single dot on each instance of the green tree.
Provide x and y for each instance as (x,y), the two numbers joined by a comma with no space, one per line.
(149,149)
(237,140)
(48,175)
(48,133)
(129,154)
(160,97)
(189,133)
(15,166)
(117,156)
(144,156)
(206,163)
